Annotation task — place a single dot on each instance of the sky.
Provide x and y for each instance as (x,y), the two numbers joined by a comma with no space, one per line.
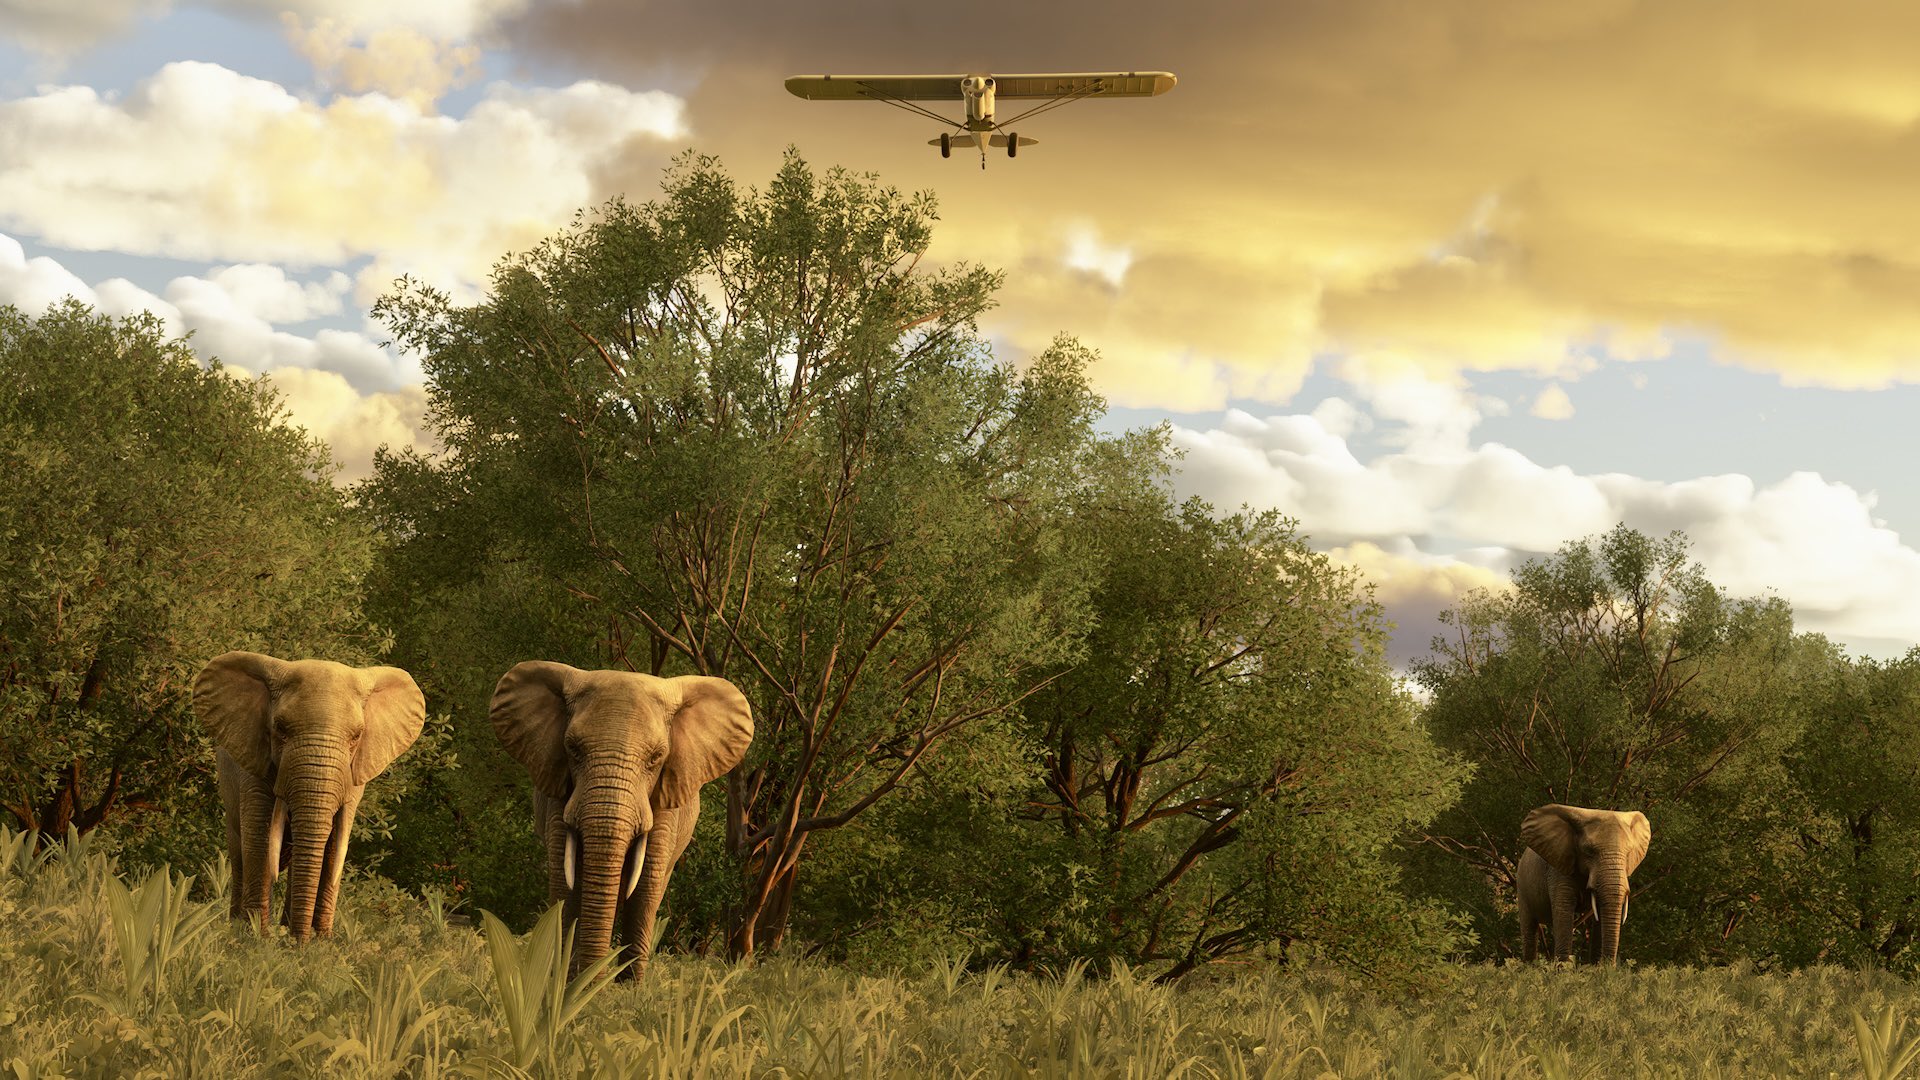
(1452,282)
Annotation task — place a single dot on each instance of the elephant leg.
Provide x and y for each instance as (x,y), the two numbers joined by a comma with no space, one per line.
(230,796)
(259,842)
(552,830)
(327,894)
(1566,899)
(672,831)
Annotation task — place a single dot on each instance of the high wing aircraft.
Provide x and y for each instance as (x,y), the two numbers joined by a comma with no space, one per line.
(980,92)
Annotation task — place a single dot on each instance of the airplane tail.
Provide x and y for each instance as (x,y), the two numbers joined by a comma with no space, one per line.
(959,139)
(999,140)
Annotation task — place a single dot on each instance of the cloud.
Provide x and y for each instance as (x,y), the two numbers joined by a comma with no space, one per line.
(352,424)
(199,162)
(60,27)
(338,384)
(1812,540)
(1415,588)
(64,27)
(1504,185)
(1086,253)
(1553,404)
(393,60)
(32,284)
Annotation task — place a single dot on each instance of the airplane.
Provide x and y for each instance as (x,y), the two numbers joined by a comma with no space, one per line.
(980,92)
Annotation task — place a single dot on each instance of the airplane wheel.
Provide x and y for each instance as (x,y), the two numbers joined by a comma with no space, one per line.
(1013,144)
(946,145)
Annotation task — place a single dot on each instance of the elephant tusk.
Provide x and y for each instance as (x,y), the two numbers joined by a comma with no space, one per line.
(573,848)
(1593,904)
(639,860)
(1625,903)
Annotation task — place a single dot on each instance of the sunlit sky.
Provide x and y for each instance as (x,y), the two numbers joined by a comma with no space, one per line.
(1453,283)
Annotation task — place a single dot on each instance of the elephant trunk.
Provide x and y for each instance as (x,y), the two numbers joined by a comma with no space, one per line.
(313,791)
(609,819)
(1610,906)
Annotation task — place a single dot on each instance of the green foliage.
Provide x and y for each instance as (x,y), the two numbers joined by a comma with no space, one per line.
(156,513)
(397,1037)
(153,925)
(537,999)
(745,434)
(1232,759)
(1884,1055)
(1838,861)
(1616,675)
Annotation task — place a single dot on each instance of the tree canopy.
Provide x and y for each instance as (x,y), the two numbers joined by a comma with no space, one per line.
(156,513)
(748,433)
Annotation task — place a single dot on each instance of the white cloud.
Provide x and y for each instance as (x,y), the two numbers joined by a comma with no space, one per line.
(1415,587)
(1812,540)
(268,293)
(1087,254)
(338,384)
(200,162)
(1553,404)
(32,284)
(352,424)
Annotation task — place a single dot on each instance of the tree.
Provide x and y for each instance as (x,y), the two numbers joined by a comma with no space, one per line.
(156,513)
(1229,764)
(1616,675)
(745,434)
(1840,886)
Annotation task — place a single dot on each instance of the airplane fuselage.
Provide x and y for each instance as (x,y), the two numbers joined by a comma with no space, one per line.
(978,92)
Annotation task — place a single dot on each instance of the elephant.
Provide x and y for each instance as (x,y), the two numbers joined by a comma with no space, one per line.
(1578,858)
(295,743)
(617,759)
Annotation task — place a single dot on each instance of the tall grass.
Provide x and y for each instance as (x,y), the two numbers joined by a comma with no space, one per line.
(99,979)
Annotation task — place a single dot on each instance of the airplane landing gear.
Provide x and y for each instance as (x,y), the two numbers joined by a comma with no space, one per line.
(946,145)
(1013,144)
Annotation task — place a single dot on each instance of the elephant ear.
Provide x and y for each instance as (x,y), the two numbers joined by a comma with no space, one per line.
(709,734)
(395,709)
(1552,831)
(530,714)
(1639,837)
(232,696)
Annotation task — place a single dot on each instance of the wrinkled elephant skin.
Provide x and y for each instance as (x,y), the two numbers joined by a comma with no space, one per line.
(617,759)
(296,742)
(1578,860)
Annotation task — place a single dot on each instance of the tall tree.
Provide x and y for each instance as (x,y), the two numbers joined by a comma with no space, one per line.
(1840,886)
(747,434)
(1231,760)
(1616,675)
(155,513)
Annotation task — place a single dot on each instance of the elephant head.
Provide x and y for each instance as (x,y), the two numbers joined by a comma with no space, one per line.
(617,760)
(1591,853)
(298,741)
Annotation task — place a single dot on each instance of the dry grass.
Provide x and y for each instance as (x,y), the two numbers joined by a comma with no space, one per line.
(146,983)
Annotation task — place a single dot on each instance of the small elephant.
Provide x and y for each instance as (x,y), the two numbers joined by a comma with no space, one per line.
(1578,858)
(296,742)
(617,759)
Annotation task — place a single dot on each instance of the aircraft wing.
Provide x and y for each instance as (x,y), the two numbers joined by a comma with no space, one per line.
(1088,83)
(883,87)
(947,87)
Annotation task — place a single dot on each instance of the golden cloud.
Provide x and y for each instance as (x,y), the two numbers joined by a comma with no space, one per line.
(1495,185)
